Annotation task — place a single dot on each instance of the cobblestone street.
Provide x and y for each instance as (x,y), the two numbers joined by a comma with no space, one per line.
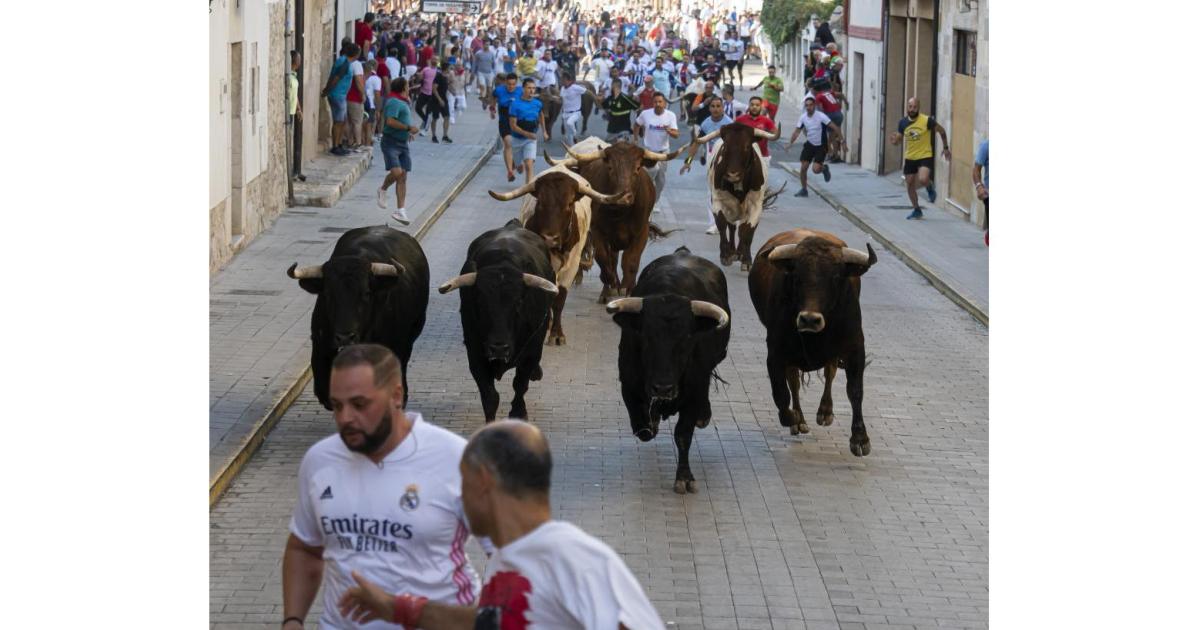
(785,532)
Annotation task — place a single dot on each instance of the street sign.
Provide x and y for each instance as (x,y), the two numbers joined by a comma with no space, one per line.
(468,7)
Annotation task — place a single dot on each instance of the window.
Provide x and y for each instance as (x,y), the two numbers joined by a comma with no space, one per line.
(964,52)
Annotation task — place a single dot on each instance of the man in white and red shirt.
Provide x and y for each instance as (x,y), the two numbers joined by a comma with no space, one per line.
(546,575)
(382,498)
(757,118)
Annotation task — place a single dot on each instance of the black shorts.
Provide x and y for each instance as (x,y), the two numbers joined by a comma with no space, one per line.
(912,166)
(813,153)
(502,119)
(730,64)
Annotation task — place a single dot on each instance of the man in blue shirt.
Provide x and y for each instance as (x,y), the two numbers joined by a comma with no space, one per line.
(502,97)
(525,120)
(336,89)
(397,125)
(980,174)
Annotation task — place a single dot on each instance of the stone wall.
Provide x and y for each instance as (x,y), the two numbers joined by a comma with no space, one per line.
(219,250)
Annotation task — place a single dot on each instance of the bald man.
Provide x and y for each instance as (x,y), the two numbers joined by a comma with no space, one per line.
(917,131)
(546,573)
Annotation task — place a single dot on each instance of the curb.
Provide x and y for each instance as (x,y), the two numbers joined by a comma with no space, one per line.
(909,259)
(224,478)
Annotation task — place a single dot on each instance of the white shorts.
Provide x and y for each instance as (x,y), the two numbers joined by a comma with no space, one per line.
(458,102)
(485,78)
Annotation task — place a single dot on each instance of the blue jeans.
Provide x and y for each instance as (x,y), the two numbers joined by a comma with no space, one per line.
(337,108)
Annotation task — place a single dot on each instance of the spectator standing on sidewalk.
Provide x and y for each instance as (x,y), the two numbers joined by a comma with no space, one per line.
(916,130)
(397,129)
(656,127)
(295,115)
(526,119)
(355,114)
(336,89)
(544,574)
(359,494)
(374,85)
(979,174)
(815,125)
(772,87)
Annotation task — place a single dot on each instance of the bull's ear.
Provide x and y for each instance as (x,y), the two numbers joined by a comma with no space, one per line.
(755,178)
(312,285)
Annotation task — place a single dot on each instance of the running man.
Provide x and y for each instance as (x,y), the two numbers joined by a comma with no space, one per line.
(916,130)
(717,119)
(381,498)
(656,127)
(772,87)
(526,119)
(572,106)
(397,125)
(504,95)
(815,126)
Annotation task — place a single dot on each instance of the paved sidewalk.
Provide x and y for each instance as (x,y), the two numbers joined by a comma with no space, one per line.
(259,319)
(943,247)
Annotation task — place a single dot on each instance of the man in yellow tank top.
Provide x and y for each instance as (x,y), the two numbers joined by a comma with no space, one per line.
(917,131)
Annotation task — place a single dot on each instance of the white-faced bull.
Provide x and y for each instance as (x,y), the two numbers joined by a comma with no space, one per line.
(737,187)
(805,286)
(558,208)
(505,288)
(674,332)
(373,289)
(622,227)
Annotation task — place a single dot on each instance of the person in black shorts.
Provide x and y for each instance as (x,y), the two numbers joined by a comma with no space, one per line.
(503,94)
(439,105)
(815,126)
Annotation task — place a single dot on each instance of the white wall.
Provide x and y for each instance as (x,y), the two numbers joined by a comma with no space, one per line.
(218,103)
(872,100)
(866,13)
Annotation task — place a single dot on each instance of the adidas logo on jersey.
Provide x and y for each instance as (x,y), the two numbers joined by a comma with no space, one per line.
(328,494)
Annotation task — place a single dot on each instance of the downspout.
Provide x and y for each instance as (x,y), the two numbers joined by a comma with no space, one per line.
(933,82)
(882,82)
(336,44)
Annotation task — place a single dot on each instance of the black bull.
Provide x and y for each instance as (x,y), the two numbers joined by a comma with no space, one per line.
(373,289)
(674,332)
(805,287)
(506,288)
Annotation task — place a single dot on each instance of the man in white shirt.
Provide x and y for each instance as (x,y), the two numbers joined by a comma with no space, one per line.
(656,127)
(545,575)
(382,498)
(814,125)
(547,71)
(572,106)
(734,50)
(602,64)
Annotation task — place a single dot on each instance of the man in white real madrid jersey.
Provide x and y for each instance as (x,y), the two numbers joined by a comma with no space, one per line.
(546,574)
(382,498)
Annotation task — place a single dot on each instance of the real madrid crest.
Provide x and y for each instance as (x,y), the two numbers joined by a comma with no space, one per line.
(410,500)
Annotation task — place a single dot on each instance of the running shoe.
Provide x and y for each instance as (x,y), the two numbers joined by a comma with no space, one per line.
(435,140)
(381,199)
(932,192)
(401,217)
(803,192)
(915,214)
(712,229)
(447,139)
(825,173)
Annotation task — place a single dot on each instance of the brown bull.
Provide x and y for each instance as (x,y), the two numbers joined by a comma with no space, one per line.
(737,184)
(621,227)
(559,209)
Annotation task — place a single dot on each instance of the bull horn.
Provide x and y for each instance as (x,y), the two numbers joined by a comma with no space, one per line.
(598,196)
(784,252)
(624,305)
(674,154)
(392,269)
(708,137)
(586,157)
(314,271)
(509,196)
(465,280)
(856,257)
(654,155)
(538,282)
(553,162)
(701,308)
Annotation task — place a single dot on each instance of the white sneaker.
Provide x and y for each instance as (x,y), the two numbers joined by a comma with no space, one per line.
(712,229)
(401,217)
(657,210)
(381,199)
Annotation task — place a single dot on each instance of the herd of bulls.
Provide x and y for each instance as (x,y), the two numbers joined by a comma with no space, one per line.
(674,318)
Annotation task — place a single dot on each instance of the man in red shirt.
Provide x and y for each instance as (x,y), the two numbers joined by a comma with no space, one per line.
(755,117)
(364,33)
(426,54)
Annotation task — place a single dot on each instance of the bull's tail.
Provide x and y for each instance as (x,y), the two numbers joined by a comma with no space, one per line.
(771,195)
(586,259)
(657,233)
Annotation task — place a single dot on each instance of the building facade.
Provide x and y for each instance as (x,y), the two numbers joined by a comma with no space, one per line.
(251,144)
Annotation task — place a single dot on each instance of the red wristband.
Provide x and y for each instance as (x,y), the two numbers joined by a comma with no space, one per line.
(408,609)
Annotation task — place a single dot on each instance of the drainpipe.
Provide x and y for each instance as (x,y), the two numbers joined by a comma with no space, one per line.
(883,93)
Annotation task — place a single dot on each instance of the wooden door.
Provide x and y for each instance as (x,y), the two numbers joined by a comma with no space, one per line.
(962,140)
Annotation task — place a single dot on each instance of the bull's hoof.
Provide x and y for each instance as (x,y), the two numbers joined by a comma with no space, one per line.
(556,340)
(799,427)
(703,422)
(726,260)
(644,434)
(824,418)
(790,417)
(685,486)
(536,374)
(860,447)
